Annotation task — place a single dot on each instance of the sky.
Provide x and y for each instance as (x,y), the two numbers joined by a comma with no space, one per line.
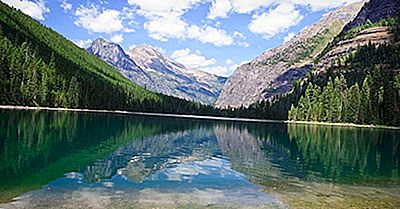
(215,36)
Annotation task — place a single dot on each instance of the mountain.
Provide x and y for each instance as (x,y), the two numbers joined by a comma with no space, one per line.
(273,72)
(148,68)
(39,67)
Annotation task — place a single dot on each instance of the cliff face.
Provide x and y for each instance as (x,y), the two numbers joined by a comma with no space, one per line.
(374,35)
(364,29)
(373,11)
(273,72)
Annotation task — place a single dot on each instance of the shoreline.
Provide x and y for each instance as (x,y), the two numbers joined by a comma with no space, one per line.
(11,107)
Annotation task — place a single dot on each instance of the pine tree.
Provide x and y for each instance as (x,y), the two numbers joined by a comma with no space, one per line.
(352,105)
(377,92)
(293,115)
(389,98)
(73,93)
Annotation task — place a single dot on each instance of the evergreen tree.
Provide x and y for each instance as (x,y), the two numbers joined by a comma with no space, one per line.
(352,105)
(365,101)
(389,98)
(73,93)
(327,99)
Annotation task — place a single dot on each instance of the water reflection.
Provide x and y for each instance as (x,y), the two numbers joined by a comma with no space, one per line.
(114,160)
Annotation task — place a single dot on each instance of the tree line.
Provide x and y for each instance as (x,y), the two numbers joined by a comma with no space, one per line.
(370,93)
(375,101)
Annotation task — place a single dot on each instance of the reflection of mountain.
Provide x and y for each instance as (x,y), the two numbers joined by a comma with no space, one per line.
(141,158)
(256,156)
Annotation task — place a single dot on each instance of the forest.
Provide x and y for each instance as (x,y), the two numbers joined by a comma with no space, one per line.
(363,88)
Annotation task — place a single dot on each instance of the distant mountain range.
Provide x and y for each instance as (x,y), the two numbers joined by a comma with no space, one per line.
(147,67)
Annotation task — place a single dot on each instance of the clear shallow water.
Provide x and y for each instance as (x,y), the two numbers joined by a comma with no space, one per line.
(58,159)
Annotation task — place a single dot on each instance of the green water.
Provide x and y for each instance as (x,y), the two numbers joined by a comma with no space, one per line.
(48,159)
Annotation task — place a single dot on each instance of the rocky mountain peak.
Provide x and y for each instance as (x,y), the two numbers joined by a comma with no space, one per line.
(110,52)
(102,45)
(146,50)
(147,67)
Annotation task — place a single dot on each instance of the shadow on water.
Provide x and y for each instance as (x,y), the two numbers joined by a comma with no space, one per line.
(216,162)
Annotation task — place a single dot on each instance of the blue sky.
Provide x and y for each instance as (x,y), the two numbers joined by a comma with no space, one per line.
(211,35)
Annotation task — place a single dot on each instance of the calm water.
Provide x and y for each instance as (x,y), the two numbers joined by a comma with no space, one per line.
(70,160)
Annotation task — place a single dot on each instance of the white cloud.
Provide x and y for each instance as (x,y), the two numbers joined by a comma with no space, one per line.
(100,20)
(163,7)
(239,35)
(165,21)
(317,5)
(35,9)
(245,7)
(66,6)
(83,43)
(289,37)
(192,59)
(163,28)
(117,38)
(211,35)
(267,24)
(129,30)
(220,8)
(244,44)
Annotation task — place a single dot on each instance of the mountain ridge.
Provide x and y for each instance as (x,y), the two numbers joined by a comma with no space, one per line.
(147,67)
(258,80)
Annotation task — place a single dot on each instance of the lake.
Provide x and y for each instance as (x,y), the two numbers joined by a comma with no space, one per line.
(86,160)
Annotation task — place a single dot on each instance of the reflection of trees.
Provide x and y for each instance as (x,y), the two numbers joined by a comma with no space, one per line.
(267,152)
(27,137)
(342,153)
(141,158)
(37,147)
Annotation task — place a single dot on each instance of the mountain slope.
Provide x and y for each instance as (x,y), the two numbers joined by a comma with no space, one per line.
(148,68)
(273,72)
(39,67)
